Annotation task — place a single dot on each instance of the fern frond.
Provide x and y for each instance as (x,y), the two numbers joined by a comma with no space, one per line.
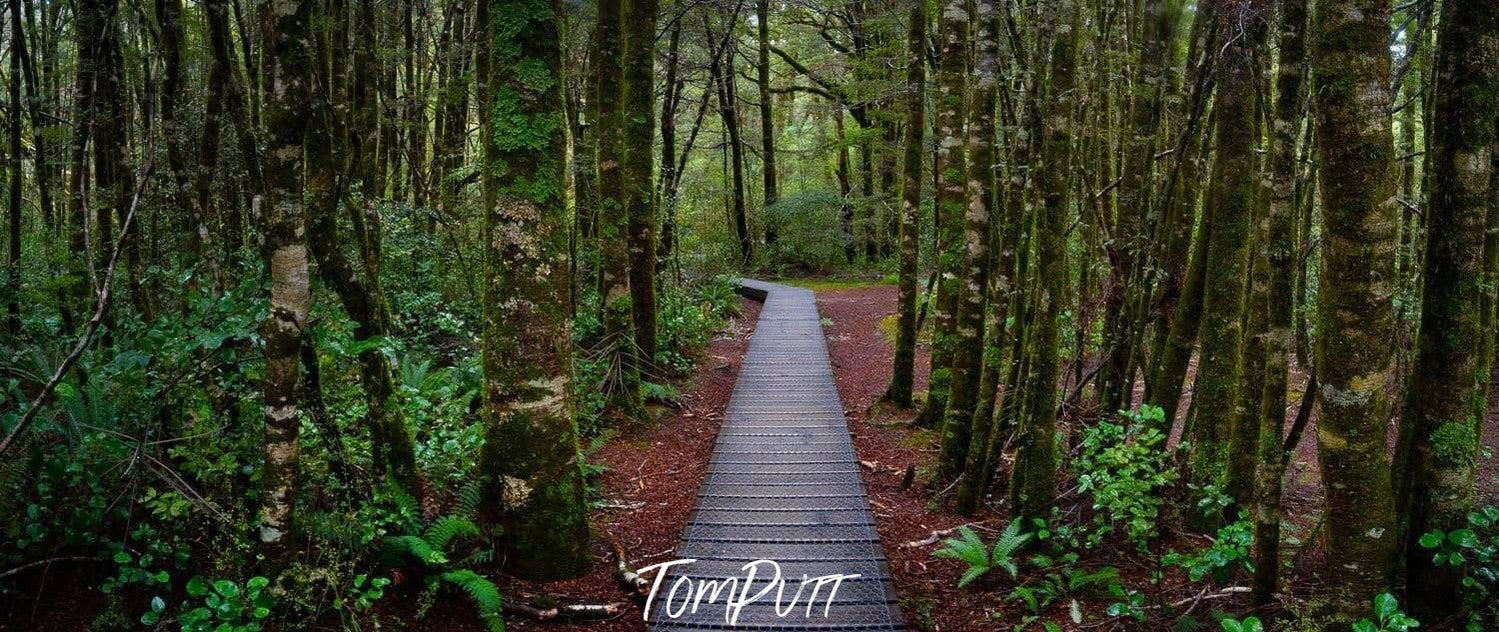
(417,548)
(1010,541)
(484,593)
(469,498)
(969,549)
(446,529)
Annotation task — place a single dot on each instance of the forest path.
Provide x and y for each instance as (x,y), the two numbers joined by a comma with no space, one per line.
(783,485)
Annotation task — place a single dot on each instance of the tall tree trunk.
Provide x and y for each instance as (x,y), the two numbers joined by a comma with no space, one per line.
(903,374)
(951,112)
(667,191)
(1356,320)
(623,385)
(285,33)
(13,261)
(639,93)
(1171,344)
(1135,194)
(767,117)
(529,462)
(1235,184)
(1278,254)
(1033,483)
(728,109)
(968,367)
(1438,475)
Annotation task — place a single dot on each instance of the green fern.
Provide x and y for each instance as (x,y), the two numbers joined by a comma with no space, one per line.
(970,549)
(484,593)
(1007,545)
(418,548)
(469,498)
(445,530)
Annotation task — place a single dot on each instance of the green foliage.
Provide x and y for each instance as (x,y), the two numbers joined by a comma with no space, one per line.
(1122,468)
(444,550)
(980,559)
(220,605)
(1249,624)
(1387,617)
(811,239)
(1229,551)
(1473,550)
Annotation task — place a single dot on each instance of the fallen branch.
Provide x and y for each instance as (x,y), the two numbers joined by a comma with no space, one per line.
(576,612)
(938,535)
(623,573)
(45,562)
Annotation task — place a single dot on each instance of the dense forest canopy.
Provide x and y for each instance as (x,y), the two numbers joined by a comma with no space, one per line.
(362,313)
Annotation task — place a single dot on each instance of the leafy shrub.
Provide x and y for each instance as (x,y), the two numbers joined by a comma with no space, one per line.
(1122,469)
(1387,617)
(1475,551)
(811,236)
(1228,551)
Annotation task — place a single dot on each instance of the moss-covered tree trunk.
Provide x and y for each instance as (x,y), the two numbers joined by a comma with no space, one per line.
(767,115)
(1158,22)
(964,437)
(639,94)
(287,66)
(623,382)
(1033,483)
(1277,252)
(951,110)
(1440,466)
(1234,188)
(529,465)
(1355,317)
(903,373)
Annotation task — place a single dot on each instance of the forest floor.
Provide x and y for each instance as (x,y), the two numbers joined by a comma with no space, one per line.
(648,490)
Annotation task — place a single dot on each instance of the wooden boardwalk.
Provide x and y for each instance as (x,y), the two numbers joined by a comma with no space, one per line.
(783,485)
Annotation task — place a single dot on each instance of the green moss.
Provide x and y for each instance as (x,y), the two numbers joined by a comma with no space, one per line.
(1452,443)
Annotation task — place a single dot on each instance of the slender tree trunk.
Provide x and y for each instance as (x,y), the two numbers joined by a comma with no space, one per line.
(951,110)
(1356,320)
(13,261)
(1235,183)
(968,436)
(623,385)
(1033,483)
(1439,472)
(667,191)
(903,374)
(285,33)
(728,109)
(767,117)
(1278,254)
(639,94)
(1135,194)
(529,462)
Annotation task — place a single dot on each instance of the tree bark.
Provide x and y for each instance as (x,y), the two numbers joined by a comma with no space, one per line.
(903,374)
(1235,184)
(1278,253)
(1356,319)
(969,436)
(767,116)
(952,112)
(639,94)
(1033,483)
(529,463)
(285,33)
(623,385)
(1438,474)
